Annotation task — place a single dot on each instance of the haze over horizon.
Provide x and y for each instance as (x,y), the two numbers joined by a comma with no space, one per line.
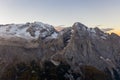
(104,13)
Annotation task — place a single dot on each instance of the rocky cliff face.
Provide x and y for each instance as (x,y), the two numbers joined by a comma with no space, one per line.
(38,52)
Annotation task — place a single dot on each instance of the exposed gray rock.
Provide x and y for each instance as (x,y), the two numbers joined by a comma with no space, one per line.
(77,46)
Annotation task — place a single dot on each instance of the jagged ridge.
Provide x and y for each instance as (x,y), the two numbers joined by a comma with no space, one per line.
(80,47)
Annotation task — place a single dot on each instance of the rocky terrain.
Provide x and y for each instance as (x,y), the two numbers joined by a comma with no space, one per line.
(37,51)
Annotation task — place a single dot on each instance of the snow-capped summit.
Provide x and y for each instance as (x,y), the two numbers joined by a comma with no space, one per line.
(27,31)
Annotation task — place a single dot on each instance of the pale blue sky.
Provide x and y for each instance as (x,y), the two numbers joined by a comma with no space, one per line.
(62,12)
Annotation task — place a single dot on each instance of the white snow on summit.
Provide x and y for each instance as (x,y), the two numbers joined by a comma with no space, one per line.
(13,30)
(21,30)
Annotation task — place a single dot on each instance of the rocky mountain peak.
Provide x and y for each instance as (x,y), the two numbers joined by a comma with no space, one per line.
(79,26)
(74,53)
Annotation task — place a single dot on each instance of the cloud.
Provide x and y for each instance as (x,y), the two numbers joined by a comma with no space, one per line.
(60,25)
(99,25)
(107,29)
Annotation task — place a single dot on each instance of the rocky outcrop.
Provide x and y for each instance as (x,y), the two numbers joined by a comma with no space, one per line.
(74,53)
(92,47)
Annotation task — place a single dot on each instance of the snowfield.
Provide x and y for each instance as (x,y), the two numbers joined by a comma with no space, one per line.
(24,31)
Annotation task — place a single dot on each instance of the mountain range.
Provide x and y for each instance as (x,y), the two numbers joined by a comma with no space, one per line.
(37,51)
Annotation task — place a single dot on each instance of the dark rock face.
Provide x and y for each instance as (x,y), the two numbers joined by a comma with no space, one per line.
(33,71)
(74,53)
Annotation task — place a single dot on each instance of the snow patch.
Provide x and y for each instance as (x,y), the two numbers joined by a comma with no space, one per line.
(91,30)
(54,35)
(103,37)
(108,59)
(37,33)
(72,31)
